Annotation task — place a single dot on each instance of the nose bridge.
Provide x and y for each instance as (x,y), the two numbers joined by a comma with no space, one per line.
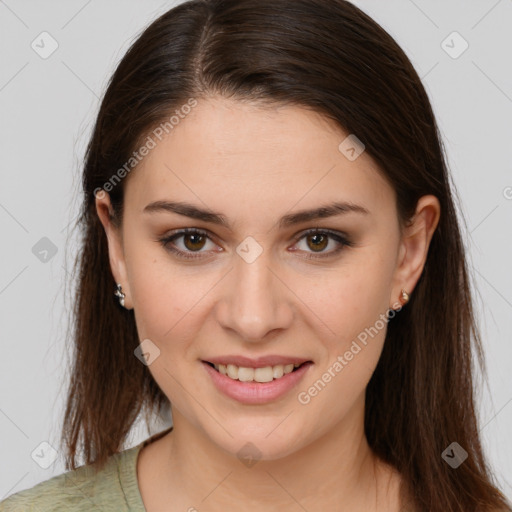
(256,302)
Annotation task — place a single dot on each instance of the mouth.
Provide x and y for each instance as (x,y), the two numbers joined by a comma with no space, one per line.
(256,381)
(261,375)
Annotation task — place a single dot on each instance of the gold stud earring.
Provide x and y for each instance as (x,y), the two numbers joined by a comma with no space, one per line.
(404,297)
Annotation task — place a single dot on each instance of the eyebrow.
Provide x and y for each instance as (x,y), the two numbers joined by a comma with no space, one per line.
(194,212)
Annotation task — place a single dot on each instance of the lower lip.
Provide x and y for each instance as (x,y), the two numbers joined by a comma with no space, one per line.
(256,392)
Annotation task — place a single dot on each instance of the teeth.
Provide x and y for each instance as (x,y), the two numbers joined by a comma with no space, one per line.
(278,371)
(266,374)
(232,371)
(245,374)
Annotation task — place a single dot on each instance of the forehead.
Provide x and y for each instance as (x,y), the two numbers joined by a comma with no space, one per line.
(257,159)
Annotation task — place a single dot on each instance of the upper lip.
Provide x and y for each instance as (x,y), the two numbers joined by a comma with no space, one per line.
(258,362)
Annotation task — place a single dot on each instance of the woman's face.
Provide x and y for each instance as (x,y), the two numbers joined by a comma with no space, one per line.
(257,290)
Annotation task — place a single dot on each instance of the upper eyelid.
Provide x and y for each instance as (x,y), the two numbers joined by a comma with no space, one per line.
(187,231)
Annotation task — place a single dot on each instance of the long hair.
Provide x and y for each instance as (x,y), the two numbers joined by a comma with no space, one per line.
(330,57)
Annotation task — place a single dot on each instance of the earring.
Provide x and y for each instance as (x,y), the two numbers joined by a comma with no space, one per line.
(120,294)
(404,297)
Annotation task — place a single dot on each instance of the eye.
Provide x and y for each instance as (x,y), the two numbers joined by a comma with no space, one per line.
(194,240)
(319,239)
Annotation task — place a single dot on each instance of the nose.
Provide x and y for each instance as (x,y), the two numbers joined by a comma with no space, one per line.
(256,303)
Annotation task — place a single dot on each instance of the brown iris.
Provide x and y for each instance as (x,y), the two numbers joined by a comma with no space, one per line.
(321,245)
(197,243)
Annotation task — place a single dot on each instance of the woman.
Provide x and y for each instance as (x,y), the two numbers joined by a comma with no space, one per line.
(266,194)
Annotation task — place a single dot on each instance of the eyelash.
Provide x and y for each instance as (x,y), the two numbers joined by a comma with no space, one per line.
(338,237)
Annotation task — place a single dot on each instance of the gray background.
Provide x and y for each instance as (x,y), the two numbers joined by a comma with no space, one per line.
(47,107)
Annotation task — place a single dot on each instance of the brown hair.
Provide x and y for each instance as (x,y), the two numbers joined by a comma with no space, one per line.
(328,56)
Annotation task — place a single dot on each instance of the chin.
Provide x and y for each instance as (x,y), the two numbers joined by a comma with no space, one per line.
(266,441)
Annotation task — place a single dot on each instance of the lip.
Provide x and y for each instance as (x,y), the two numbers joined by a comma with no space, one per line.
(256,393)
(258,362)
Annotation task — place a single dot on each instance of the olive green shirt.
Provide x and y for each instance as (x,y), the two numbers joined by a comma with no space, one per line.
(114,488)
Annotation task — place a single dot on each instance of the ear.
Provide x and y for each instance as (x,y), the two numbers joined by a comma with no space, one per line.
(414,245)
(115,244)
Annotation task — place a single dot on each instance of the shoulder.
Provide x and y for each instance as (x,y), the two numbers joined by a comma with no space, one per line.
(83,489)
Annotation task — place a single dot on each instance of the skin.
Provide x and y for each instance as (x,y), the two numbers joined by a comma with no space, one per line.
(254,164)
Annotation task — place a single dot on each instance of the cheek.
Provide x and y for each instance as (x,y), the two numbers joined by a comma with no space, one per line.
(166,312)
(336,389)
(164,294)
(351,299)
(352,303)
(158,305)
